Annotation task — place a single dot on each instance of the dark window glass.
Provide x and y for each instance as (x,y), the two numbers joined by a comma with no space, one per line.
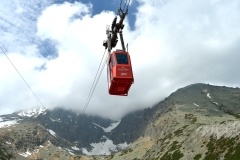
(122,58)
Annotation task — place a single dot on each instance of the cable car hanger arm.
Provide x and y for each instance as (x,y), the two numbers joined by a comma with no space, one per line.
(116,28)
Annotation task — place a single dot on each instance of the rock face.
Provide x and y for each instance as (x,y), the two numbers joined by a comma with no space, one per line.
(199,121)
(196,122)
(46,134)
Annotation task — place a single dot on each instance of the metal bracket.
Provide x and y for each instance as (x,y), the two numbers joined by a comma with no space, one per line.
(112,37)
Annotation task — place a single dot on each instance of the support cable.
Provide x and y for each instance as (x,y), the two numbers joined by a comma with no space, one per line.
(22,78)
(96,79)
(109,44)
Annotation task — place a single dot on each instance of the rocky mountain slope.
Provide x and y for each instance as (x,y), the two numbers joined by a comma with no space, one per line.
(41,133)
(199,121)
(196,122)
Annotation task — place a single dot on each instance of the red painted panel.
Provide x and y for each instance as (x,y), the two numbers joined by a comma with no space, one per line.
(120,73)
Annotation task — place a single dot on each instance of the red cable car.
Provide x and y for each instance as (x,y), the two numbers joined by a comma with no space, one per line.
(120,75)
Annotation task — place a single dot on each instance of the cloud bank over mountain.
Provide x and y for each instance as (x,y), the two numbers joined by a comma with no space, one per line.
(58,47)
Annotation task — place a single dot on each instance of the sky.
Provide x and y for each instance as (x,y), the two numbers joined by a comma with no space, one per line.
(57,47)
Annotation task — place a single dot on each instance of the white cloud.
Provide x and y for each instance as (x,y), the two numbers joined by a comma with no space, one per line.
(175,43)
(191,40)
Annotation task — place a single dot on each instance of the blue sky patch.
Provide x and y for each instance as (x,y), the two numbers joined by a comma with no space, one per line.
(42,67)
(48,49)
(112,5)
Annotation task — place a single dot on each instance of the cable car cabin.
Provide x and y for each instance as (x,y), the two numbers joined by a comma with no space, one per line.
(120,73)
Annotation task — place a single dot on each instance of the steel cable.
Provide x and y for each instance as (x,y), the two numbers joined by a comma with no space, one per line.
(22,78)
(96,79)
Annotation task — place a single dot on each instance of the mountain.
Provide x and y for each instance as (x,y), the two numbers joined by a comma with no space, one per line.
(59,132)
(199,121)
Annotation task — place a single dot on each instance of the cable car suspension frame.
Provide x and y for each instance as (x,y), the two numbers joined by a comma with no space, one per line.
(116,28)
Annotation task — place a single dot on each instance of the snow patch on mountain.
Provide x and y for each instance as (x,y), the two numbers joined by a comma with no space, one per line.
(109,128)
(58,120)
(6,124)
(32,112)
(112,126)
(52,133)
(215,103)
(195,104)
(208,95)
(69,151)
(28,153)
(104,148)
(75,148)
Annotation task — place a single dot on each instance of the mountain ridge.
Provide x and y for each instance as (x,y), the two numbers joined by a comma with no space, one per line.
(180,130)
(74,133)
(188,124)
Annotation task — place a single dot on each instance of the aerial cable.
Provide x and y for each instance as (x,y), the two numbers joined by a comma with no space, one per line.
(126,4)
(121,3)
(96,79)
(22,78)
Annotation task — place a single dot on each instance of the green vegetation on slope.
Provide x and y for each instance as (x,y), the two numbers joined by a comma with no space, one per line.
(4,155)
(216,147)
